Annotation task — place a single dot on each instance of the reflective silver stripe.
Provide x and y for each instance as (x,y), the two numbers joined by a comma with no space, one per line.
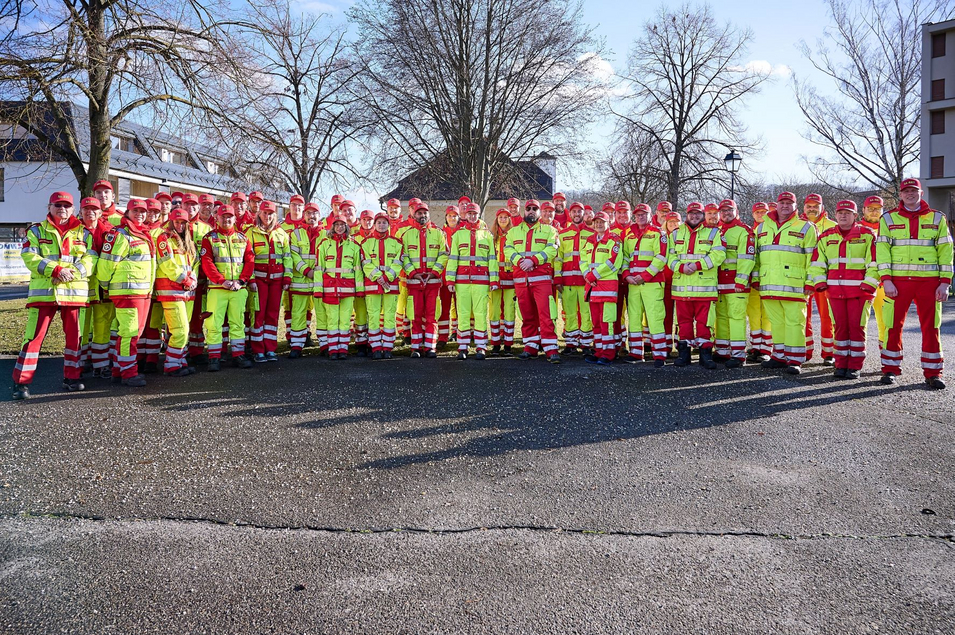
(781,288)
(943,240)
(571,253)
(726,287)
(302,285)
(694,289)
(109,256)
(845,283)
(341,270)
(848,261)
(73,293)
(729,261)
(224,259)
(33,293)
(905,267)
(603,294)
(909,242)
(30,250)
(131,285)
(139,257)
(706,260)
(872,282)
(789,248)
(538,279)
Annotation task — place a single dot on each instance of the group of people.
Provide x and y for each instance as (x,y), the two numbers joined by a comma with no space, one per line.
(197,277)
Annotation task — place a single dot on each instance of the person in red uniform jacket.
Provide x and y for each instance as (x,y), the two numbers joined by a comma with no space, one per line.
(622,220)
(660,218)
(561,216)
(671,223)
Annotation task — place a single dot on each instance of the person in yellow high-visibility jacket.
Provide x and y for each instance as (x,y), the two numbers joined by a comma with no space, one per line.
(59,254)
(338,281)
(228,263)
(301,243)
(784,247)
(600,261)
(815,211)
(472,272)
(734,286)
(760,333)
(914,256)
(871,215)
(569,281)
(645,260)
(381,265)
(175,288)
(127,268)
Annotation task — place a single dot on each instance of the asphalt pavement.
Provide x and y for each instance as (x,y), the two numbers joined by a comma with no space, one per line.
(13,291)
(437,496)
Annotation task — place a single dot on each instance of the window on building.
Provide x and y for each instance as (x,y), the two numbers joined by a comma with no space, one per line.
(11,131)
(938,90)
(213,167)
(938,45)
(938,122)
(171,156)
(126,144)
(938,168)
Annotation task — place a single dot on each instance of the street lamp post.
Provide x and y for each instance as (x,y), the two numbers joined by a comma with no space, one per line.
(732,162)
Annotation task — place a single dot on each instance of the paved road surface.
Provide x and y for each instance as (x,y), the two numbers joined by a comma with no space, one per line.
(13,291)
(435,496)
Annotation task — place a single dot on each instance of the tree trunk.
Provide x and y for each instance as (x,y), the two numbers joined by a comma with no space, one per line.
(100,125)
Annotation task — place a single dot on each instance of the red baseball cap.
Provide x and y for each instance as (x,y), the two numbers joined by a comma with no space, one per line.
(873,200)
(267,206)
(190,198)
(472,207)
(61,197)
(548,205)
(602,215)
(786,196)
(238,196)
(760,206)
(103,183)
(256,196)
(711,207)
(178,214)
(813,198)
(452,209)
(559,196)
(576,204)
(393,202)
(513,201)
(366,213)
(847,204)
(607,207)
(297,198)
(464,199)
(337,198)
(907,183)
(178,195)
(90,201)
(586,207)
(311,206)
(412,203)
(422,205)
(673,216)
(622,206)
(153,205)
(163,195)
(503,212)
(641,207)
(346,203)
(664,205)
(136,203)
(226,210)
(727,202)
(532,203)
(206,198)
(694,207)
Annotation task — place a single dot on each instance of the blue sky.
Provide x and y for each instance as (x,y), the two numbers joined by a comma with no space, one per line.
(772,114)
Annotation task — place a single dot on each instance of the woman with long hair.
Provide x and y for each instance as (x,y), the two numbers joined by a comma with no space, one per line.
(503,300)
(175,289)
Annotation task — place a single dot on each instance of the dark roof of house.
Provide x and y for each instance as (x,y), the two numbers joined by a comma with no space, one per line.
(149,163)
(529,181)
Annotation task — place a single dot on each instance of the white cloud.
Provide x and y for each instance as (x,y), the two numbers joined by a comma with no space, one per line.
(764,68)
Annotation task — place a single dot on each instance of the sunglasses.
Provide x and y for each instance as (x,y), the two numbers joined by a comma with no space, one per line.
(63,205)
(533,208)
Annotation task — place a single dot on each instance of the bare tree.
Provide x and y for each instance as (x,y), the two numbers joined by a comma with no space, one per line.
(635,169)
(292,114)
(688,81)
(117,56)
(869,118)
(461,89)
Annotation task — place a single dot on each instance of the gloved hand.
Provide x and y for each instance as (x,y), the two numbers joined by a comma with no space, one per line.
(739,288)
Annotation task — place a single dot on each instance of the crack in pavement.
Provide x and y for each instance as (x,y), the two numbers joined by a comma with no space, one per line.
(948,538)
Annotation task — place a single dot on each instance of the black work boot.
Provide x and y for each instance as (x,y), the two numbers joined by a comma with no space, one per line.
(706,358)
(683,354)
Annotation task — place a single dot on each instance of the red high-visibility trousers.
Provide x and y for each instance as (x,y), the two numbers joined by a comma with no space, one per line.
(424,326)
(537,328)
(850,316)
(38,322)
(821,299)
(922,292)
(265,329)
(604,315)
(694,318)
(444,319)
